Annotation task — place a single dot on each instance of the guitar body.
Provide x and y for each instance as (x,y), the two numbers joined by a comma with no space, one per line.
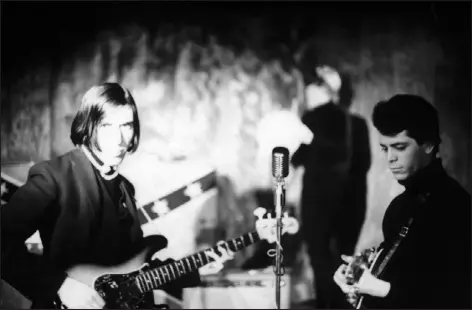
(373,266)
(116,284)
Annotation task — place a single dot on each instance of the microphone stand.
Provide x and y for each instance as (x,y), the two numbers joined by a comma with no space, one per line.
(279,204)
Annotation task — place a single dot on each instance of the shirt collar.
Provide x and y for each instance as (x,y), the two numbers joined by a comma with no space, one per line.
(425,179)
(107,172)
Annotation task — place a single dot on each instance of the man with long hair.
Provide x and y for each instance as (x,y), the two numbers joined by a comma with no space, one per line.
(83,208)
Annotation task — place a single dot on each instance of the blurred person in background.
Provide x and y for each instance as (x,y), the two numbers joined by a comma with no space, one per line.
(334,182)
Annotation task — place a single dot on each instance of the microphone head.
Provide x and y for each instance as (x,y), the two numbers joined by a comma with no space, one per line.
(280,162)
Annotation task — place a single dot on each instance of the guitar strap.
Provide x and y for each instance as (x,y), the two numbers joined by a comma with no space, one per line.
(154,209)
(402,234)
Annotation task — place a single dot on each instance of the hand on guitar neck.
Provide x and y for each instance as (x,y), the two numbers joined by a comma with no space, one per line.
(218,260)
(266,229)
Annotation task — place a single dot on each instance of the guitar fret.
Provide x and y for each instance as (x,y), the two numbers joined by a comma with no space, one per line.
(155,276)
(143,283)
(194,261)
(138,283)
(180,265)
(158,276)
(251,238)
(162,274)
(235,244)
(172,270)
(176,264)
(153,279)
(201,259)
(167,273)
(241,242)
(147,280)
(143,277)
(188,263)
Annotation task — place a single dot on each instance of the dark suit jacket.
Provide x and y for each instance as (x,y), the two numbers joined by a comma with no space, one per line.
(77,220)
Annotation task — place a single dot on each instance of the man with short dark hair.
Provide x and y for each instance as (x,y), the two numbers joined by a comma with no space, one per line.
(427,228)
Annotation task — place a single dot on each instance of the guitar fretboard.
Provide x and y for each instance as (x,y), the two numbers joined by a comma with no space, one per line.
(154,278)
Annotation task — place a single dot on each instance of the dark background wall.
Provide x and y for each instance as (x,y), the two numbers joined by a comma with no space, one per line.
(197,66)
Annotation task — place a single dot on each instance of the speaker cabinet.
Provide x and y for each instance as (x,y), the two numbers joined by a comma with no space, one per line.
(238,290)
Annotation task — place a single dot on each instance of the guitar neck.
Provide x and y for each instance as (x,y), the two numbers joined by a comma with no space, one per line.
(155,278)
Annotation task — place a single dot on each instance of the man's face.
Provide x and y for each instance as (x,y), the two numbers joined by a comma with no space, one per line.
(316,96)
(114,134)
(405,157)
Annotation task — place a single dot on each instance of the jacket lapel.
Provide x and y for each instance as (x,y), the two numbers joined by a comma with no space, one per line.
(88,188)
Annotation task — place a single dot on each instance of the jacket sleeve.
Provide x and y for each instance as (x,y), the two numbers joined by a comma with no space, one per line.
(300,156)
(23,215)
(430,289)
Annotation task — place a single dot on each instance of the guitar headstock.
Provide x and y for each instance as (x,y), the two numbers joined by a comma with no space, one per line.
(267,227)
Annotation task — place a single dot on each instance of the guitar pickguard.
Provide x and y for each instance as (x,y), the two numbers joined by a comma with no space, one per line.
(120,291)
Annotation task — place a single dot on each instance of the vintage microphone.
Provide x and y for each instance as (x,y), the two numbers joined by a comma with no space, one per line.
(279,172)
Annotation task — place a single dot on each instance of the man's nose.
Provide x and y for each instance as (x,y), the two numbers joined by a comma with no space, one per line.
(392,156)
(117,135)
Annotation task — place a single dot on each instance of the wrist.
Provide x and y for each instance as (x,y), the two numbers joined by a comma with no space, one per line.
(384,288)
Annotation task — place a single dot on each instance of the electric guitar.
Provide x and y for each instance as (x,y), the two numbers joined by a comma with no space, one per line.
(123,286)
(367,259)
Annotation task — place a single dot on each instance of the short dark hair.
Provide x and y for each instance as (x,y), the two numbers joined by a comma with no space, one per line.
(411,113)
(92,109)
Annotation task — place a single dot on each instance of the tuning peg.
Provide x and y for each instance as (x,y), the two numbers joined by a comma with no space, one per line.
(259,212)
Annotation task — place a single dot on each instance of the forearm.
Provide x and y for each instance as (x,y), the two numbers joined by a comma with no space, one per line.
(384,288)
(408,290)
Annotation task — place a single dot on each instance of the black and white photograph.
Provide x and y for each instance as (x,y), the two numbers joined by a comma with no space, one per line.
(235,154)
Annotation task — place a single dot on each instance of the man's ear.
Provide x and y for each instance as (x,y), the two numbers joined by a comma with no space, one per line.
(428,147)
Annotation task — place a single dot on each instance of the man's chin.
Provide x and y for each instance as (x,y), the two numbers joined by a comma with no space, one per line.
(400,176)
(114,161)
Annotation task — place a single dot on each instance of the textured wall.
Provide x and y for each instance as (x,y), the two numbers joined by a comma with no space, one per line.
(183,77)
(26,117)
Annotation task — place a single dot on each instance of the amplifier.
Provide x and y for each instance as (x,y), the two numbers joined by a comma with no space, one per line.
(254,289)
